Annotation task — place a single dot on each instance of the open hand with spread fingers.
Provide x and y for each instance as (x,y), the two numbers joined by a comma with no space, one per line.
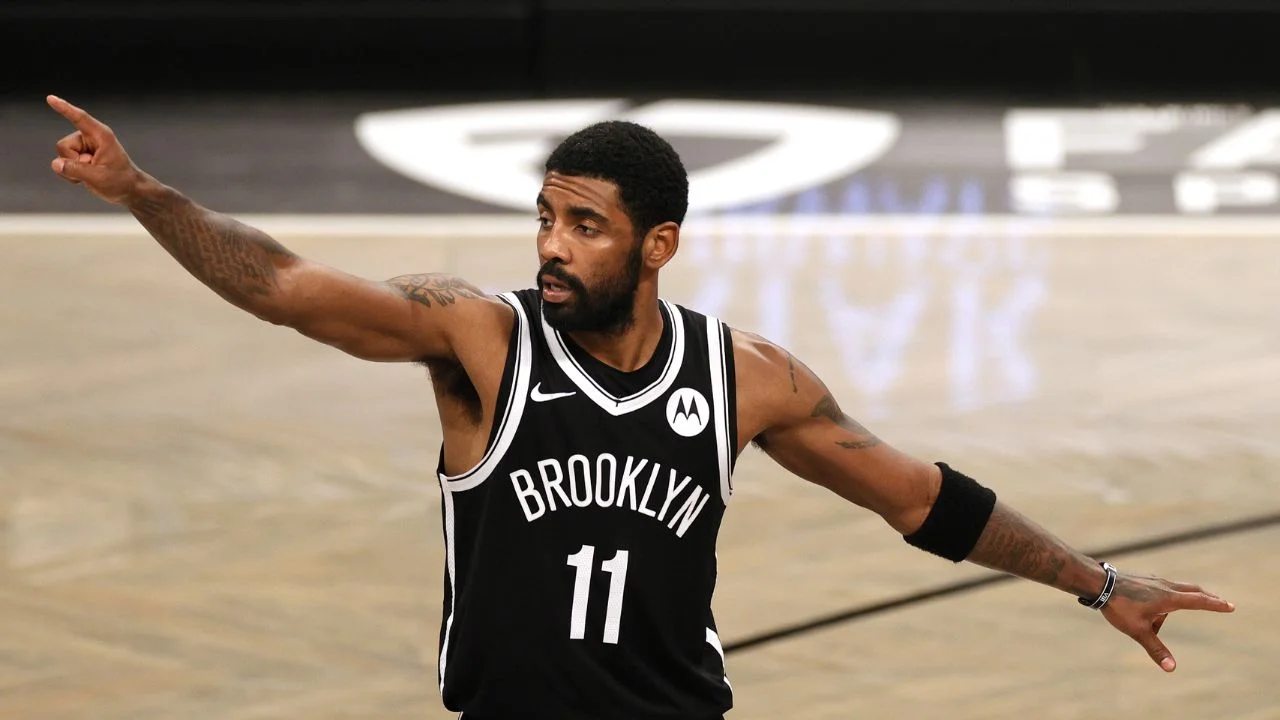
(93,157)
(1139,605)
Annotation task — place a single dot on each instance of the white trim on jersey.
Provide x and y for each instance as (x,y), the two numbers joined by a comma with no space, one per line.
(609,403)
(720,385)
(509,421)
(446,497)
(714,641)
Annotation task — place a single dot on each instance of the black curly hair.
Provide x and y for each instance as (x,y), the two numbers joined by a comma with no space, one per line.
(653,186)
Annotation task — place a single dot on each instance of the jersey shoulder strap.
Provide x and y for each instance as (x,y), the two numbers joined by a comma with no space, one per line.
(716,337)
(513,393)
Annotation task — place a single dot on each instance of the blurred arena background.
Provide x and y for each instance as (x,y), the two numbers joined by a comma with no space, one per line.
(1040,243)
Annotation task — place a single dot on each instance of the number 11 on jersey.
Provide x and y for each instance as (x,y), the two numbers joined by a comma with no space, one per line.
(584,562)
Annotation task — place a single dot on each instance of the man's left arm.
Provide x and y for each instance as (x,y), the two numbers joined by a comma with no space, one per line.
(788,412)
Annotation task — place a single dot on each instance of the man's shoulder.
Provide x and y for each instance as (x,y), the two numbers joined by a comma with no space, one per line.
(768,382)
(510,302)
(757,351)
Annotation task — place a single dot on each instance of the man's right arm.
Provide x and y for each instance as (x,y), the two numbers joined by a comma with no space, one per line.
(408,318)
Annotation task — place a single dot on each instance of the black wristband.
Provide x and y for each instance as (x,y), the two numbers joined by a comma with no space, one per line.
(1108,587)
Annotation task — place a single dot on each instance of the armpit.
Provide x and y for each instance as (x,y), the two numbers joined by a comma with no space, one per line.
(452,384)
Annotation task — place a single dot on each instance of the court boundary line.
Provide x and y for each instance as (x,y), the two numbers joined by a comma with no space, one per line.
(1159,542)
(373,226)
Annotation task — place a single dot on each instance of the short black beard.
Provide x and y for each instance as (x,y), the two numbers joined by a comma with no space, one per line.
(607,310)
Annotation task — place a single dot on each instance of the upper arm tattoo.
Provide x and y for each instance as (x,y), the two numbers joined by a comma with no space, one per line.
(439,288)
(828,408)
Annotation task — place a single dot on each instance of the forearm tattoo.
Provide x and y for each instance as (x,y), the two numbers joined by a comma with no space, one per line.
(1015,545)
(862,437)
(236,261)
(435,288)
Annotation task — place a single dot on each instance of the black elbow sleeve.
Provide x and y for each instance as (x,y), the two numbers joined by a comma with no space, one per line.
(957,519)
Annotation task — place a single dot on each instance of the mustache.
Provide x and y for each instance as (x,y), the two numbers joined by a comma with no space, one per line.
(553,269)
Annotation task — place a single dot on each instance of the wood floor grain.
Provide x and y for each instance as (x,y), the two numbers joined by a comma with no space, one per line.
(205,516)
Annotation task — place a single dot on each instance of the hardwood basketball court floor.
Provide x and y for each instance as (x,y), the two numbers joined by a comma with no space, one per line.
(205,516)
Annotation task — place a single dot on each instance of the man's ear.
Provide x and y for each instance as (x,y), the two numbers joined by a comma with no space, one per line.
(660,245)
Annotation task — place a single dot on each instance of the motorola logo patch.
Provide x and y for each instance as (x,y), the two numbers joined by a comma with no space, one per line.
(688,412)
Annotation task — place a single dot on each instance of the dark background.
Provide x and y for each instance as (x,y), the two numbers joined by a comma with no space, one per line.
(1011,51)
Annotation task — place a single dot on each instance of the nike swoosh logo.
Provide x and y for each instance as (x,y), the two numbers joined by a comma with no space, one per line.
(538,396)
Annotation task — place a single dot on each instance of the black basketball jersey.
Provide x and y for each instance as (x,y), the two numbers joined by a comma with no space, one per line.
(581,550)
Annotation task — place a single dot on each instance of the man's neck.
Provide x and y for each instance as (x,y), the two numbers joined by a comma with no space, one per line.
(629,350)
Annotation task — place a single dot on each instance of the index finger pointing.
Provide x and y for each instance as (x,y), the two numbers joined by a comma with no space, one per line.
(83,121)
(1203,601)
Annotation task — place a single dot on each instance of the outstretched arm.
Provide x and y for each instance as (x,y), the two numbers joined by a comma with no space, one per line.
(396,320)
(789,413)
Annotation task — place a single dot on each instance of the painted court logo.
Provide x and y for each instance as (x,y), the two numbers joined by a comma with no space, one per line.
(688,412)
(493,152)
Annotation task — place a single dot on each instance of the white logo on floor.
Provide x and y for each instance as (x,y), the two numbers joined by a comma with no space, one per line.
(688,412)
(494,152)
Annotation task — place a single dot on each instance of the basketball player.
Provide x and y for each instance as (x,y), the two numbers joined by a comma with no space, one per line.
(590,434)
